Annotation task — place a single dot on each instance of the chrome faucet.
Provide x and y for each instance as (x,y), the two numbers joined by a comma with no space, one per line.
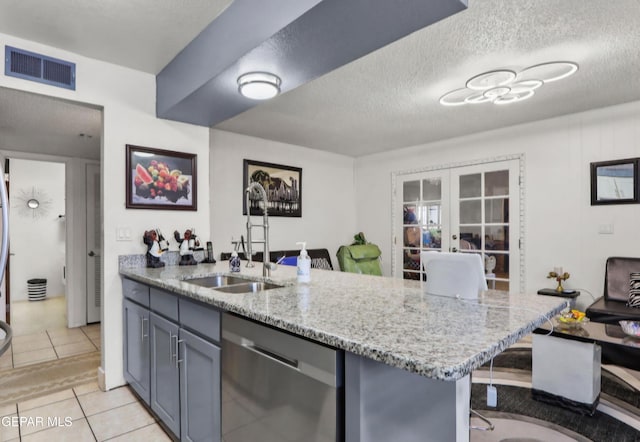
(267,266)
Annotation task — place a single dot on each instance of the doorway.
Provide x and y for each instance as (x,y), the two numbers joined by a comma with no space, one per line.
(56,131)
(470,208)
(37,235)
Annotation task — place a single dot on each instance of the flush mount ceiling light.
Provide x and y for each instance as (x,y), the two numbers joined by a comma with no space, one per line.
(259,85)
(505,86)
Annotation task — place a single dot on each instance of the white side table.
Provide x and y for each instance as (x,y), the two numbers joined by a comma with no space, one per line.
(566,372)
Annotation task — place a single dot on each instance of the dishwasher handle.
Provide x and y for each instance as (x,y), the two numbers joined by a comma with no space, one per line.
(269,354)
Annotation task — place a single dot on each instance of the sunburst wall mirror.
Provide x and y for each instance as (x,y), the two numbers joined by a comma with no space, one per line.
(34,203)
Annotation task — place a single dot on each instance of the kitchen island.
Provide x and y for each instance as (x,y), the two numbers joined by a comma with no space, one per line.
(408,355)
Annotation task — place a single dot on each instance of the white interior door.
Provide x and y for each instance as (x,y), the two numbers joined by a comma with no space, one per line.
(482,198)
(461,209)
(423,203)
(94,247)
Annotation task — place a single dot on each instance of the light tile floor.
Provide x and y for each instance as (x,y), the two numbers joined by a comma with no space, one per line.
(51,344)
(80,414)
(29,317)
(40,334)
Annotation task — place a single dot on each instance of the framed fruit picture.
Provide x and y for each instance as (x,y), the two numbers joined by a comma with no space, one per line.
(160,179)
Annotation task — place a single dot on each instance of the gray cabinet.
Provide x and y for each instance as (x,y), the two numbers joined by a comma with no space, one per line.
(165,375)
(136,348)
(172,361)
(199,388)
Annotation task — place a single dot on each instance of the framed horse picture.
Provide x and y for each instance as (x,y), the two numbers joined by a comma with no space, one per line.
(282,184)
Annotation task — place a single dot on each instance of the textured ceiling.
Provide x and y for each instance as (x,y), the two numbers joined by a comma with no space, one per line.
(387,99)
(38,124)
(141,34)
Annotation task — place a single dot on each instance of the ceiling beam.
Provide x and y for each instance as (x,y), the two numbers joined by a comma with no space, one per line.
(297,40)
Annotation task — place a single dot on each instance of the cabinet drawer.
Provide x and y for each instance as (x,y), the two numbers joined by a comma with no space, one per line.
(135,291)
(164,303)
(201,318)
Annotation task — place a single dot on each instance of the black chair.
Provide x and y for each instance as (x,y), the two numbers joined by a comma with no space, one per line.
(320,258)
(612,306)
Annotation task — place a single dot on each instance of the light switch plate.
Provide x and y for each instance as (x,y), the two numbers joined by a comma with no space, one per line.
(123,234)
(605,229)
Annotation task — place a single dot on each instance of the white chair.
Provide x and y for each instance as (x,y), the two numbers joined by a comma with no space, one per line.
(453,274)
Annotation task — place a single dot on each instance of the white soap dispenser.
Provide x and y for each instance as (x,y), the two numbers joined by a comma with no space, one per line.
(304,264)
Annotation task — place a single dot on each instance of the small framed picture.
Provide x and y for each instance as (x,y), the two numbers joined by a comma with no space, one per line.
(161,179)
(614,182)
(282,184)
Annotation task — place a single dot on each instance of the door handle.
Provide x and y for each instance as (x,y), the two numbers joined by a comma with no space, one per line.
(176,348)
(178,342)
(142,333)
(92,253)
(454,236)
(287,362)
(454,249)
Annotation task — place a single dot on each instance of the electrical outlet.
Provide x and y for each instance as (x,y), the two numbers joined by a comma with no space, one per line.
(492,396)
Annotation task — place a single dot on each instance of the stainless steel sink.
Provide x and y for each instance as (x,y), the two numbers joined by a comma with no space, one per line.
(216,281)
(248,287)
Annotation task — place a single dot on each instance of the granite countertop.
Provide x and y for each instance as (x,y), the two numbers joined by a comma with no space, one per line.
(386,319)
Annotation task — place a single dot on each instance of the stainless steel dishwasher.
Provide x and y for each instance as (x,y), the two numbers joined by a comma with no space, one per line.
(279,387)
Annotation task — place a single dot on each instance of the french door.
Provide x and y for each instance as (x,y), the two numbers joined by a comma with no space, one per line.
(462,209)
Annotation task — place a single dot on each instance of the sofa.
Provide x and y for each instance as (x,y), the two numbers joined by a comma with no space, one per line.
(612,306)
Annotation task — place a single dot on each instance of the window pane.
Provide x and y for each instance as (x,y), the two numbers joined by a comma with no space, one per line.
(496,210)
(470,212)
(432,237)
(501,269)
(496,183)
(499,285)
(432,189)
(411,261)
(470,238)
(470,185)
(497,238)
(410,214)
(412,236)
(411,190)
(411,275)
(433,215)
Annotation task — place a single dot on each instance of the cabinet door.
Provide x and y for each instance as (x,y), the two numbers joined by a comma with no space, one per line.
(199,388)
(136,348)
(165,385)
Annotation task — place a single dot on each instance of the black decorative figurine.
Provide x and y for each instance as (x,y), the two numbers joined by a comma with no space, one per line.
(187,245)
(150,238)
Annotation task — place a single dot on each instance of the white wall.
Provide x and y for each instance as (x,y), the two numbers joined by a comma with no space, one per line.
(561,226)
(37,235)
(328,213)
(128,100)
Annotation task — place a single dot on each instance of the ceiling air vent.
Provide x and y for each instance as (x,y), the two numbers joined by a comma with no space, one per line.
(35,67)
